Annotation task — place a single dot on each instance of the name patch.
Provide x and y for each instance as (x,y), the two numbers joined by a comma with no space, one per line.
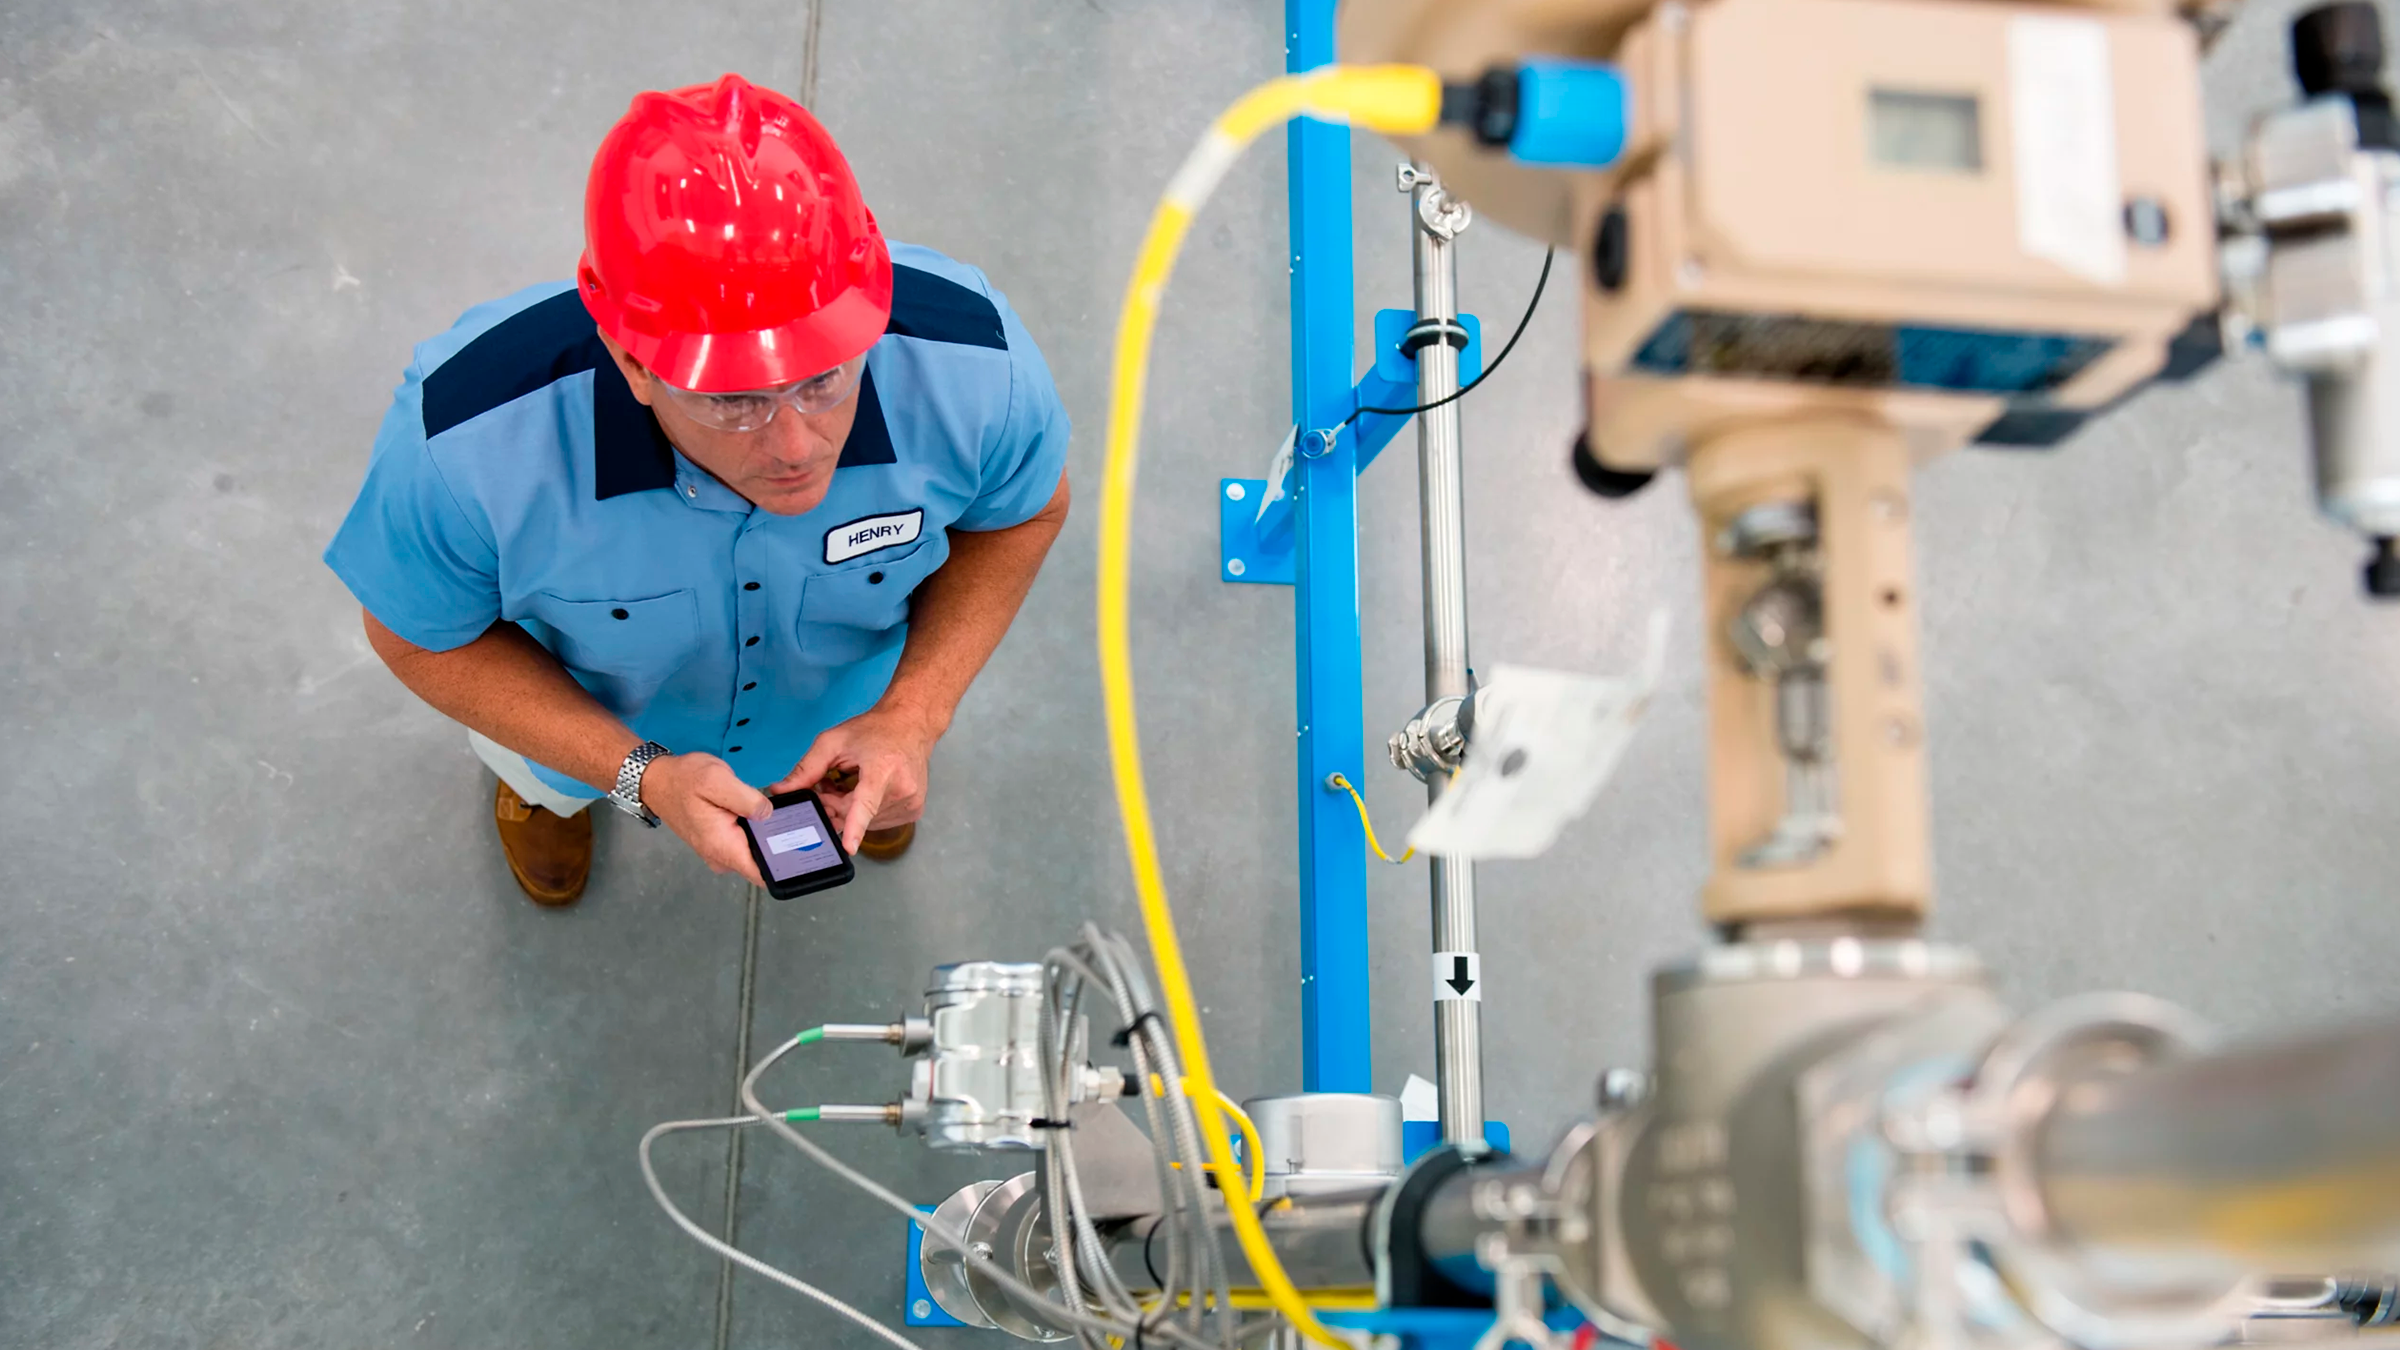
(844,542)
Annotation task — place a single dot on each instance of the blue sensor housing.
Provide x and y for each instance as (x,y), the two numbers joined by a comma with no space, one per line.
(1570,114)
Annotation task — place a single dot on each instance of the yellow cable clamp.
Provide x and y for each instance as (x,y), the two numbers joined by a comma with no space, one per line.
(1397,99)
(1336,780)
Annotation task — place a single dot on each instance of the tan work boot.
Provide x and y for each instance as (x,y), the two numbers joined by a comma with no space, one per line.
(550,854)
(887,845)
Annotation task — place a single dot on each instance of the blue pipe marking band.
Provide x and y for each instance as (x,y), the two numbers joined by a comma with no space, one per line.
(1569,113)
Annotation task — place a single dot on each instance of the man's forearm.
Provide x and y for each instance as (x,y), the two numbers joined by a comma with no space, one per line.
(960,613)
(506,686)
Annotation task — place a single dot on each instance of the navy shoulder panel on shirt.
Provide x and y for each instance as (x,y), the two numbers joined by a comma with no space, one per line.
(535,347)
(938,309)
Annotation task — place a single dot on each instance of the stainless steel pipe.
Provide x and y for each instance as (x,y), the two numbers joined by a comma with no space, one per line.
(1319,1239)
(2264,1159)
(1435,221)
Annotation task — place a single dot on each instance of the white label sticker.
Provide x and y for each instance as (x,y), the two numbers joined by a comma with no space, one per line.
(2063,110)
(1457,975)
(1545,741)
(844,542)
(804,838)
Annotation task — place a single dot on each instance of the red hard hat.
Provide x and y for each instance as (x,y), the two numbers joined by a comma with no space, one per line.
(725,243)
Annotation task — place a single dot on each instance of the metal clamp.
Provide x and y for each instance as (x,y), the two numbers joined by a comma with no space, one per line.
(1434,743)
(1987,1206)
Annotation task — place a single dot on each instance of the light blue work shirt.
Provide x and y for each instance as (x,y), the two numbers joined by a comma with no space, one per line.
(516,477)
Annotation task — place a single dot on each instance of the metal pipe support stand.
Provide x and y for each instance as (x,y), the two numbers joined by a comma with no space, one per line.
(1437,338)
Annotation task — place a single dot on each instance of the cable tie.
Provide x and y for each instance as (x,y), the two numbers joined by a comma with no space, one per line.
(1125,1034)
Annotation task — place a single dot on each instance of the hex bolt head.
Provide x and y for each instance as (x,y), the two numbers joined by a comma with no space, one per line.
(1623,1089)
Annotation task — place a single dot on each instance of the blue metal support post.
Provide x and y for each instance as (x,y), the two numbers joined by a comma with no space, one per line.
(1336,1039)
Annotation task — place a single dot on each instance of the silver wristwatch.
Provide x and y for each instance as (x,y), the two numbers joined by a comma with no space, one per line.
(628,792)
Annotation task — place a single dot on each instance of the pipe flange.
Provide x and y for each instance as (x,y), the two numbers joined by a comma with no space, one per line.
(1577,1253)
(992,1232)
(944,1267)
(2020,1079)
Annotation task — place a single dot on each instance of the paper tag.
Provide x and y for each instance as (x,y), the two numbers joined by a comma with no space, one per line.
(1277,468)
(2063,109)
(1457,975)
(1545,741)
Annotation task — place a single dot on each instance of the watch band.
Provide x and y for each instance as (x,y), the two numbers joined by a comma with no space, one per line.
(627,794)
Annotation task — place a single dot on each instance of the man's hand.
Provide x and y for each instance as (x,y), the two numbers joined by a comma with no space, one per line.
(701,801)
(876,763)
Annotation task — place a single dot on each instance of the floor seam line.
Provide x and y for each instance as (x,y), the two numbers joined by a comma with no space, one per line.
(745,1002)
(755,898)
(808,55)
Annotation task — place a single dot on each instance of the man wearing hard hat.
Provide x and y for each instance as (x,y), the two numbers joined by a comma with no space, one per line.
(747,505)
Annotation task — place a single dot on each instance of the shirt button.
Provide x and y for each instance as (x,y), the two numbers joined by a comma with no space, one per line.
(750,686)
(733,749)
(751,643)
(749,585)
(874,578)
(743,723)
(691,492)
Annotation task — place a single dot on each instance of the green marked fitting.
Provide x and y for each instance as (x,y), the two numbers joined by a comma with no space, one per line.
(810,1036)
(803,1113)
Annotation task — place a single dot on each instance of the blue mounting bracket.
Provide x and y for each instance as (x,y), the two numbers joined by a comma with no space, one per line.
(1254,518)
(1416,1136)
(1439,1328)
(921,1310)
(1244,555)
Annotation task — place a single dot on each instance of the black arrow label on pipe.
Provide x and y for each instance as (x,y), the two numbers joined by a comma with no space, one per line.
(1459,979)
(1457,975)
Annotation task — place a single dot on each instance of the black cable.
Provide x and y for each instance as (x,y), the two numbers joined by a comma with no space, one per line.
(1469,387)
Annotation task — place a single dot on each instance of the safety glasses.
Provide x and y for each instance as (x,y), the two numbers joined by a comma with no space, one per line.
(754,408)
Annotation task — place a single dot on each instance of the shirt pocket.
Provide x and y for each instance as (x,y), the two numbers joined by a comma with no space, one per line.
(622,650)
(851,614)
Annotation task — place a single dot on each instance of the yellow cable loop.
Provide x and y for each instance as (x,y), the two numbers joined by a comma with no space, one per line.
(1255,1185)
(1337,780)
(1397,99)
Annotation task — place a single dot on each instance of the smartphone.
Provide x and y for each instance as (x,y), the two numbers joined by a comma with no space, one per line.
(796,847)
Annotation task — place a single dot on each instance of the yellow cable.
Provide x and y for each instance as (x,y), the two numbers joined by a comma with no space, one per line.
(1256,1183)
(1343,1300)
(1337,780)
(1397,99)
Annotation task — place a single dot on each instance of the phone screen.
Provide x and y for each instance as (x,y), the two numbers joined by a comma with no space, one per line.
(795,841)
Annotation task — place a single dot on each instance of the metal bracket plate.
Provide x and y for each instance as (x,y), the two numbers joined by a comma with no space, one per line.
(1242,553)
(920,1310)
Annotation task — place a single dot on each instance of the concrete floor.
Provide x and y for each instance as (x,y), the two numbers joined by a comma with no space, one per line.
(284,1061)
